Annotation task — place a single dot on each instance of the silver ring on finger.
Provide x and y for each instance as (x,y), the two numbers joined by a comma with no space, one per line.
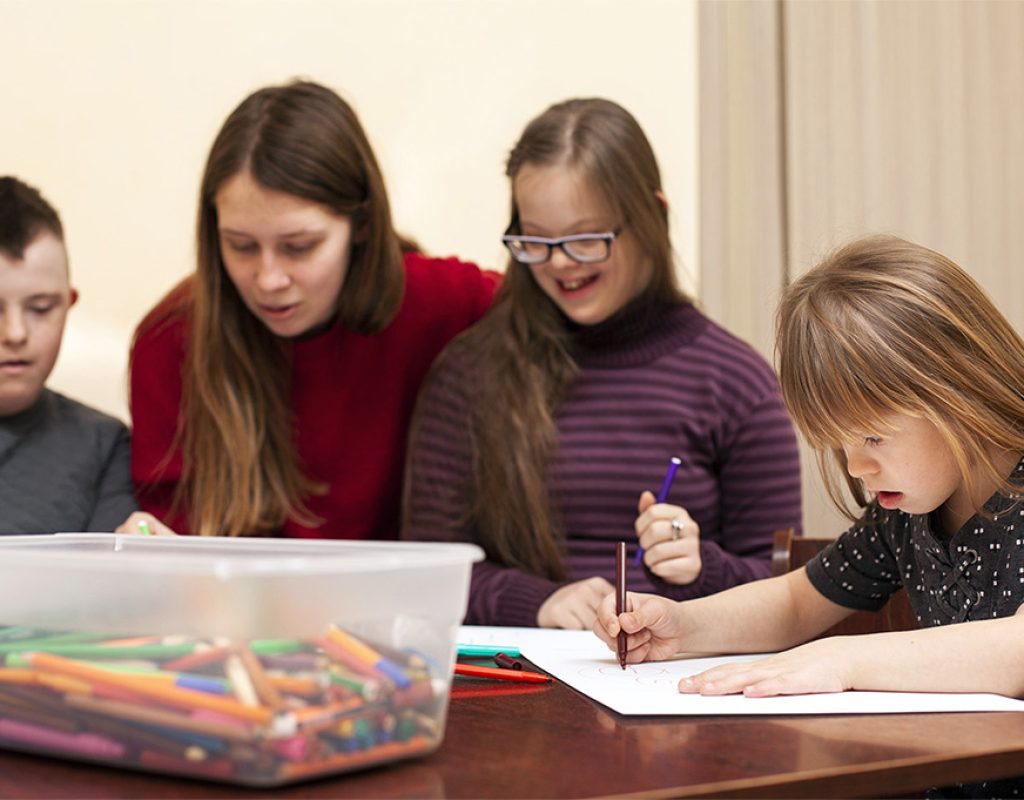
(677,529)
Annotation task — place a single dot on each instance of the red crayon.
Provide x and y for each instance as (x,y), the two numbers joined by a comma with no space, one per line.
(473,671)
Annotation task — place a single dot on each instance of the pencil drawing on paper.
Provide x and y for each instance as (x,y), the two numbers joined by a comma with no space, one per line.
(654,675)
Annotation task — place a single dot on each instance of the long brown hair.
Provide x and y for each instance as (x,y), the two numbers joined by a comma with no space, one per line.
(522,346)
(884,326)
(241,471)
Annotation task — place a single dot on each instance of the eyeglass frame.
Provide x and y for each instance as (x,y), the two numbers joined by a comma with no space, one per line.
(608,237)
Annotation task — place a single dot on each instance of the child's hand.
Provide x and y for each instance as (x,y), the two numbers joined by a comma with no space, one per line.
(819,666)
(145,524)
(654,625)
(670,539)
(574,606)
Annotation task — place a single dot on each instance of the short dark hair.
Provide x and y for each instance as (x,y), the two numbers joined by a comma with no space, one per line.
(24,214)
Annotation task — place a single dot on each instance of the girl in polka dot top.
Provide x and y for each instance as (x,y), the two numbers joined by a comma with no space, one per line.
(909,384)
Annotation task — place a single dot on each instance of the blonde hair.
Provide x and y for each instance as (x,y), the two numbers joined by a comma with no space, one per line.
(884,326)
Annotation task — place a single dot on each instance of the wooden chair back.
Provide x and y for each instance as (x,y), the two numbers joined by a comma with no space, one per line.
(790,552)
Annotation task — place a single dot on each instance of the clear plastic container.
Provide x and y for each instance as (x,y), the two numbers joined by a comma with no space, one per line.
(252,661)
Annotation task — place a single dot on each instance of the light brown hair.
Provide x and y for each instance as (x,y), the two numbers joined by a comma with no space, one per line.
(885,327)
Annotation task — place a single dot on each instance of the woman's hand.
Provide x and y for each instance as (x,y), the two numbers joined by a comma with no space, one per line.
(574,606)
(670,539)
(819,666)
(654,626)
(144,524)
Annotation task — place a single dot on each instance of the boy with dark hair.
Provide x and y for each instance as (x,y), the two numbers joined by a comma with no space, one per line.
(63,466)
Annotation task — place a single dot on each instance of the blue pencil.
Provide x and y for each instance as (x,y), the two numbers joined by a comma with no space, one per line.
(673,465)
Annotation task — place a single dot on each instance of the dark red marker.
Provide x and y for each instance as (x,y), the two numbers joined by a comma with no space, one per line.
(507,661)
(620,597)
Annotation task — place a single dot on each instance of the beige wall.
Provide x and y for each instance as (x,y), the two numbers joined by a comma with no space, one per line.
(109,107)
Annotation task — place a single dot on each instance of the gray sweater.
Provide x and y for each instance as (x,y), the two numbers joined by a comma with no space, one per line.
(64,467)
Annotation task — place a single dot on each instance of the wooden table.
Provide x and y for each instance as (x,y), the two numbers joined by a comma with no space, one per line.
(548,741)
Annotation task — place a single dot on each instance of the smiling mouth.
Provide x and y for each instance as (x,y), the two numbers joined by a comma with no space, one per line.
(577,284)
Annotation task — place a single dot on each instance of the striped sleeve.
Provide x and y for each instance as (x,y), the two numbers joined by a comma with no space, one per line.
(437,503)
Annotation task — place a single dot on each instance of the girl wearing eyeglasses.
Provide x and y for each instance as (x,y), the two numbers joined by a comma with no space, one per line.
(540,428)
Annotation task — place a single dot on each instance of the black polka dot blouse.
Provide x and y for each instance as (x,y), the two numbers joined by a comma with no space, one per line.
(976,574)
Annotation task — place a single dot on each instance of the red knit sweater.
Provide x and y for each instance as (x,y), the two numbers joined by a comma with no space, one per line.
(352,398)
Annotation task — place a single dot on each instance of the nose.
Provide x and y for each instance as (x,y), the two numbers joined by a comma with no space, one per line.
(559,260)
(271,277)
(859,463)
(12,327)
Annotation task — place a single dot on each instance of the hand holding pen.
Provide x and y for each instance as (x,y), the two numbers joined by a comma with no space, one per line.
(651,630)
(620,598)
(670,538)
(666,485)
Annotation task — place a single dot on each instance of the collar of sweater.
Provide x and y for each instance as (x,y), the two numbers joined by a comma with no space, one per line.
(643,331)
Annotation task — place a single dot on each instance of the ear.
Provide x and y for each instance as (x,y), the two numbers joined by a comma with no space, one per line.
(72,297)
(661,198)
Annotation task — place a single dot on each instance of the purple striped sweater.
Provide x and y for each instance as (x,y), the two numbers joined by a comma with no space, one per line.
(653,383)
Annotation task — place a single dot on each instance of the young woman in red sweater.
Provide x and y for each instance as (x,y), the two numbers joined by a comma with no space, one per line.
(271,391)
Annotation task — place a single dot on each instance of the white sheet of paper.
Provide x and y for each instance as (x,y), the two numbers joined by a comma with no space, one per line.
(581,660)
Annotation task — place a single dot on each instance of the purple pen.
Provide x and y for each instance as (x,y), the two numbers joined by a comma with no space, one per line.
(673,465)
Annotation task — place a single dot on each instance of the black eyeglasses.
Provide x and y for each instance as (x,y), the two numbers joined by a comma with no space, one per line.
(584,248)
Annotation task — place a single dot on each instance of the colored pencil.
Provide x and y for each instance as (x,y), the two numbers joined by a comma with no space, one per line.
(620,598)
(519,675)
(485,650)
(670,474)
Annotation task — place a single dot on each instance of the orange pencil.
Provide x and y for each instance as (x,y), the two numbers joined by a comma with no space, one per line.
(172,695)
(265,689)
(303,685)
(362,652)
(17,675)
(327,714)
(157,716)
(200,658)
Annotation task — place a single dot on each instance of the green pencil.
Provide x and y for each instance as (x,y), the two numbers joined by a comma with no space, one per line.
(485,650)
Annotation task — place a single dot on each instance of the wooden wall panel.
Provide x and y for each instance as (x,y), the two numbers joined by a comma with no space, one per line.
(741,209)
(904,116)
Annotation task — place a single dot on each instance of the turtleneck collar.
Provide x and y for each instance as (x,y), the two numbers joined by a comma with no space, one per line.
(645,329)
